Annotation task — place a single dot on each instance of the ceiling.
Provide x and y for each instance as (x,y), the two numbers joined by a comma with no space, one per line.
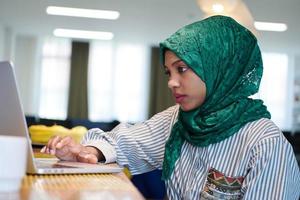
(148,21)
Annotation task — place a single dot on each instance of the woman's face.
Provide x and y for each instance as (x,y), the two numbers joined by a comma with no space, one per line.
(188,89)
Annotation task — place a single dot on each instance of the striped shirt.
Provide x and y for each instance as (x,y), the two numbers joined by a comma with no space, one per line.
(258,157)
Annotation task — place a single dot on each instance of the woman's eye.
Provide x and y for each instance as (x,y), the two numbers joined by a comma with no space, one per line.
(167,72)
(182,69)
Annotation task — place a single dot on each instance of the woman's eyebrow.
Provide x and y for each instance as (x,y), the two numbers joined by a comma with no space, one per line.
(176,62)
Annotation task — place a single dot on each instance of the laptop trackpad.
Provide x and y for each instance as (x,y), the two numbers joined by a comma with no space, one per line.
(45,163)
(56,163)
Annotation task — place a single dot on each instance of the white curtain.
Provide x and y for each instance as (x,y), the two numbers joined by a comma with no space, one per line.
(118,82)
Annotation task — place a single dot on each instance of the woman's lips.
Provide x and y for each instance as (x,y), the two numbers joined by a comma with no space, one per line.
(179,98)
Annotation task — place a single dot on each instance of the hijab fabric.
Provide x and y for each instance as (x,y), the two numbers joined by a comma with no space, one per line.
(226,56)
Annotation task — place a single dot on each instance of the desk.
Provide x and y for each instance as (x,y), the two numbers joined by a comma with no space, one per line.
(75,187)
(114,186)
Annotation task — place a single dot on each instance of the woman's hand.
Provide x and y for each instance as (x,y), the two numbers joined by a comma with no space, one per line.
(65,148)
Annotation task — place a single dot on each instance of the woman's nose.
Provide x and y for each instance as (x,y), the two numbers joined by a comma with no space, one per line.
(173,83)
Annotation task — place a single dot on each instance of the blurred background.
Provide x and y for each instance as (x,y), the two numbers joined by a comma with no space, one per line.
(119,77)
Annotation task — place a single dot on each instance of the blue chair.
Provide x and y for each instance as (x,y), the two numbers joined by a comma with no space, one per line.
(150,184)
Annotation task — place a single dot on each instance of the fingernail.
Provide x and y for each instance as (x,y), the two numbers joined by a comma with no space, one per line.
(43,149)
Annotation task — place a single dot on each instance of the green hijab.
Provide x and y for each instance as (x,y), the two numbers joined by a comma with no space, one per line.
(226,56)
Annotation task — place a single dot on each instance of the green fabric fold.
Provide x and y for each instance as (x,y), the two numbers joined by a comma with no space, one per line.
(226,56)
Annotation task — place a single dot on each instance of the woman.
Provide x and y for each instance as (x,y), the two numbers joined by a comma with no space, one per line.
(217,143)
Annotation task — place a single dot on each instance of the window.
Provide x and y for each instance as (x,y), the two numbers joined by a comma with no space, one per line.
(274,88)
(55,78)
(118,82)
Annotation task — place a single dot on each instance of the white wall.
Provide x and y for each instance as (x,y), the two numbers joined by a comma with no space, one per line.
(296,93)
(6,43)
(24,52)
(1,42)
(27,59)
(9,43)
(270,46)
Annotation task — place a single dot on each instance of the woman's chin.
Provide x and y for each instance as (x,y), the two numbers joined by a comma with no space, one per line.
(186,108)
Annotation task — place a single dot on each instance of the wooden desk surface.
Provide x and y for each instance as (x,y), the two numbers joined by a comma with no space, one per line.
(115,186)
(75,187)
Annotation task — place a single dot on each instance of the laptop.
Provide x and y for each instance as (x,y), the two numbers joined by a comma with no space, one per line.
(12,122)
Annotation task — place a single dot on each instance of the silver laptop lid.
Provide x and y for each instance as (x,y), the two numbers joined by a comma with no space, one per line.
(12,118)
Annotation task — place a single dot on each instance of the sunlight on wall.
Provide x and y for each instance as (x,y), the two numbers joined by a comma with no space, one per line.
(274,88)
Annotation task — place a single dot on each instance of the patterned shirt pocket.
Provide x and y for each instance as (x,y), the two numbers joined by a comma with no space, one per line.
(219,186)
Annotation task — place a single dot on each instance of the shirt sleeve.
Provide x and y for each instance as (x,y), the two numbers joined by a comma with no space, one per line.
(274,172)
(140,147)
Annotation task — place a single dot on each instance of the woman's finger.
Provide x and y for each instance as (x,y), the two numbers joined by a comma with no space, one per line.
(64,142)
(52,145)
(47,147)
